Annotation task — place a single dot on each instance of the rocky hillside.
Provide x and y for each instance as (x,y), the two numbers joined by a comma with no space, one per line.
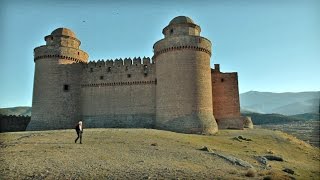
(280,103)
(155,154)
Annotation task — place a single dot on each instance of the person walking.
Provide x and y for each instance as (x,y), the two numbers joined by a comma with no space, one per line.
(79,130)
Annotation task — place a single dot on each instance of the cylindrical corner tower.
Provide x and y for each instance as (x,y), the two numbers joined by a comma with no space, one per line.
(56,89)
(184,92)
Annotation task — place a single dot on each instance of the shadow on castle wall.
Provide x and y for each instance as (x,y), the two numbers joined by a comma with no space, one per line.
(13,123)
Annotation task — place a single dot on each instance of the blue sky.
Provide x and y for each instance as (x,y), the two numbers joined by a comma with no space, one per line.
(274,45)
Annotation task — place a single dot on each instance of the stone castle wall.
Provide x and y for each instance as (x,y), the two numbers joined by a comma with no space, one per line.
(119,93)
(184,84)
(175,91)
(54,105)
(57,79)
(13,123)
(66,55)
(225,99)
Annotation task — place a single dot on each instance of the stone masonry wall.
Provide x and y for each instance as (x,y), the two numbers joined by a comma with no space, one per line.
(54,105)
(13,123)
(183,92)
(66,54)
(225,99)
(56,90)
(119,93)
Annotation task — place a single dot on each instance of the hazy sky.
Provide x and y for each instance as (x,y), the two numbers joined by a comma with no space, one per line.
(274,45)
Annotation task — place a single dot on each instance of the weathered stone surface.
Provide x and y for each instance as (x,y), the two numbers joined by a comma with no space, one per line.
(273,158)
(247,122)
(205,148)
(119,121)
(288,170)
(230,123)
(233,160)
(262,160)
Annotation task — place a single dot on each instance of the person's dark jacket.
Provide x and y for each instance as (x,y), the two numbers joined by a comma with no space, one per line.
(78,128)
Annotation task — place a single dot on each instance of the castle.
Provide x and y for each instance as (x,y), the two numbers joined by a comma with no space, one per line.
(175,90)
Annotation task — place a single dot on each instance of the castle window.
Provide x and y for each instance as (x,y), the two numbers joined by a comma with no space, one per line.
(171,31)
(101,77)
(145,70)
(91,69)
(51,37)
(109,69)
(222,79)
(78,53)
(65,87)
(126,68)
(129,75)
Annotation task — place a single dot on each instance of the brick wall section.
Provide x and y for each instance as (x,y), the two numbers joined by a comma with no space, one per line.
(225,94)
(13,123)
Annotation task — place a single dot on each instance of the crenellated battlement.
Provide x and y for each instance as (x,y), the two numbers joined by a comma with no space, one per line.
(119,70)
(119,62)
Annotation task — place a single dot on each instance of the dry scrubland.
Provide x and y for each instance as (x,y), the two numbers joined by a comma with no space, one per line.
(308,131)
(152,154)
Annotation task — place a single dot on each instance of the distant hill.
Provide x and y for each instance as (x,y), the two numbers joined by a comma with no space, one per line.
(303,126)
(260,119)
(308,116)
(280,103)
(22,111)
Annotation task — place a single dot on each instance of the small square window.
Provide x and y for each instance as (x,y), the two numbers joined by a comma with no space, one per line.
(91,69)
(66,87)
(129,75)
(101,77)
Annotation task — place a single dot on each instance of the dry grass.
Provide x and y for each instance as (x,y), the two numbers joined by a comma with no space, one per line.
(150,154)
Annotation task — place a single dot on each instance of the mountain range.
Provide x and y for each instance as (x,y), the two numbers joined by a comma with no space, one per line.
(17,111)
(280,103)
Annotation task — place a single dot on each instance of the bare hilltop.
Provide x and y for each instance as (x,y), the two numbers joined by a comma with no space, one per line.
(156,154)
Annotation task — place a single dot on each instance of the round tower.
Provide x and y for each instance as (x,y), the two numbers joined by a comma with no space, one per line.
(56,89)
(184,90)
